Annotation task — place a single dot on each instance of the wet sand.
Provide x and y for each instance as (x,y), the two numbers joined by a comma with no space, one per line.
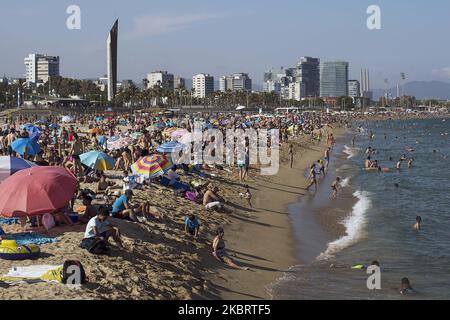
(263,239)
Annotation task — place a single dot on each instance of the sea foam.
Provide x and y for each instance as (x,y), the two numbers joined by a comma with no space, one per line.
(354,226)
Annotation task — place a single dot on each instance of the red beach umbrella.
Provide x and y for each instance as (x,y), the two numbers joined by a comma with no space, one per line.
(36,190)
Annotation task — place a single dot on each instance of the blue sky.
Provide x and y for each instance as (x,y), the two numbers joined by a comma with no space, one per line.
(222,37)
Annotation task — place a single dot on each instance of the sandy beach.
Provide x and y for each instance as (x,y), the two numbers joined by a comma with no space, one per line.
(262,238)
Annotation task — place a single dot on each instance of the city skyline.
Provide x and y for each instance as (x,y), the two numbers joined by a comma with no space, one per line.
(199,38)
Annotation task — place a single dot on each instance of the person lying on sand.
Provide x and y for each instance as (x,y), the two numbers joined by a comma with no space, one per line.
(220,253)
(100,227)
(105,187)
(192,226)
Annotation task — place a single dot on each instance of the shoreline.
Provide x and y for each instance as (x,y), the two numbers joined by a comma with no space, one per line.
(264,240)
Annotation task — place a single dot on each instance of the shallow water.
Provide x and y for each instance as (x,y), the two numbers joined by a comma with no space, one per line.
(379,220)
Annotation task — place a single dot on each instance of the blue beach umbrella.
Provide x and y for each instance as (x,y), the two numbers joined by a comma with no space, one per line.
(42,121)
(97,160)
(35,133)
(10,165)
(169,147)
(54,126)
(31,146)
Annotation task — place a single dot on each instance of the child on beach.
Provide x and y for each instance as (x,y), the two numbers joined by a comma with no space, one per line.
(247,195)
(192,226)
(334,187)
(220,253)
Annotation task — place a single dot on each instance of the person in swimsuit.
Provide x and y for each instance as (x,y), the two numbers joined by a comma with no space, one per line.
(312,177)
(220,253)
(334,187)
(418,223)
(406,287)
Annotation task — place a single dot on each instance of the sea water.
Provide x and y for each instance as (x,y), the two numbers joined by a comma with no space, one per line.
(378,212)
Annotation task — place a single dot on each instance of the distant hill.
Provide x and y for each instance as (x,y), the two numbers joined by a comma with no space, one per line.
(420,89)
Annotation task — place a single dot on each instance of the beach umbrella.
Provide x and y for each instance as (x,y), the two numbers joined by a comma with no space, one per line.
(36,191)
(96,130)
(169,131)
(169,147)
(97,160)
(10,165)
(42,121)
(240,108)
(26,126)
(34,132)
(54,126)
(22,144)
(120,143)
(67,119)
(99,118)
(151,166)
(136,135)
(179,133)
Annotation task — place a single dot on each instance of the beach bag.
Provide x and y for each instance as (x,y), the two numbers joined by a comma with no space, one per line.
(67,272)
(48,221)
(95,245)
(191,196)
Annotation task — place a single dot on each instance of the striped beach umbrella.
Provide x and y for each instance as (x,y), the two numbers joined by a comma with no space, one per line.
(97,160)
(151,166)
(10,165)
(169,147)
(31,146)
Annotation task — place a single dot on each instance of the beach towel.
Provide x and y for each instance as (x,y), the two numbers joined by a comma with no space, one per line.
(26,238)
(181,186)
(31,274)
(9,221)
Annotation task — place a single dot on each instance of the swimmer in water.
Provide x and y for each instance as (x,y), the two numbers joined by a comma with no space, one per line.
(410,162)
(396,185)
(418,223)
(335,186)
(399,164)
(406,287)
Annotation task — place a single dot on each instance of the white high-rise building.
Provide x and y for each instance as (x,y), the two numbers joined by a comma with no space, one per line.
(203,85)
(39,68)
(297,91)
(160,78)
(354,89)
(236,82)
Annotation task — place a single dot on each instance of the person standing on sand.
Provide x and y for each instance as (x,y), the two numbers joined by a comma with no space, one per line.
(327,156)
(312,178)
(291,154)
(220,253)
(75,151)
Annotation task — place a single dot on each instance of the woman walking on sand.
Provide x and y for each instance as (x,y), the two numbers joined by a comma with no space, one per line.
(312,177)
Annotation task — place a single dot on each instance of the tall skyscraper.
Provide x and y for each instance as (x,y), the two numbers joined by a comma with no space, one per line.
(203,85)
(179,83)
(308,75)
(39,68)
(112,60)
(334,79)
